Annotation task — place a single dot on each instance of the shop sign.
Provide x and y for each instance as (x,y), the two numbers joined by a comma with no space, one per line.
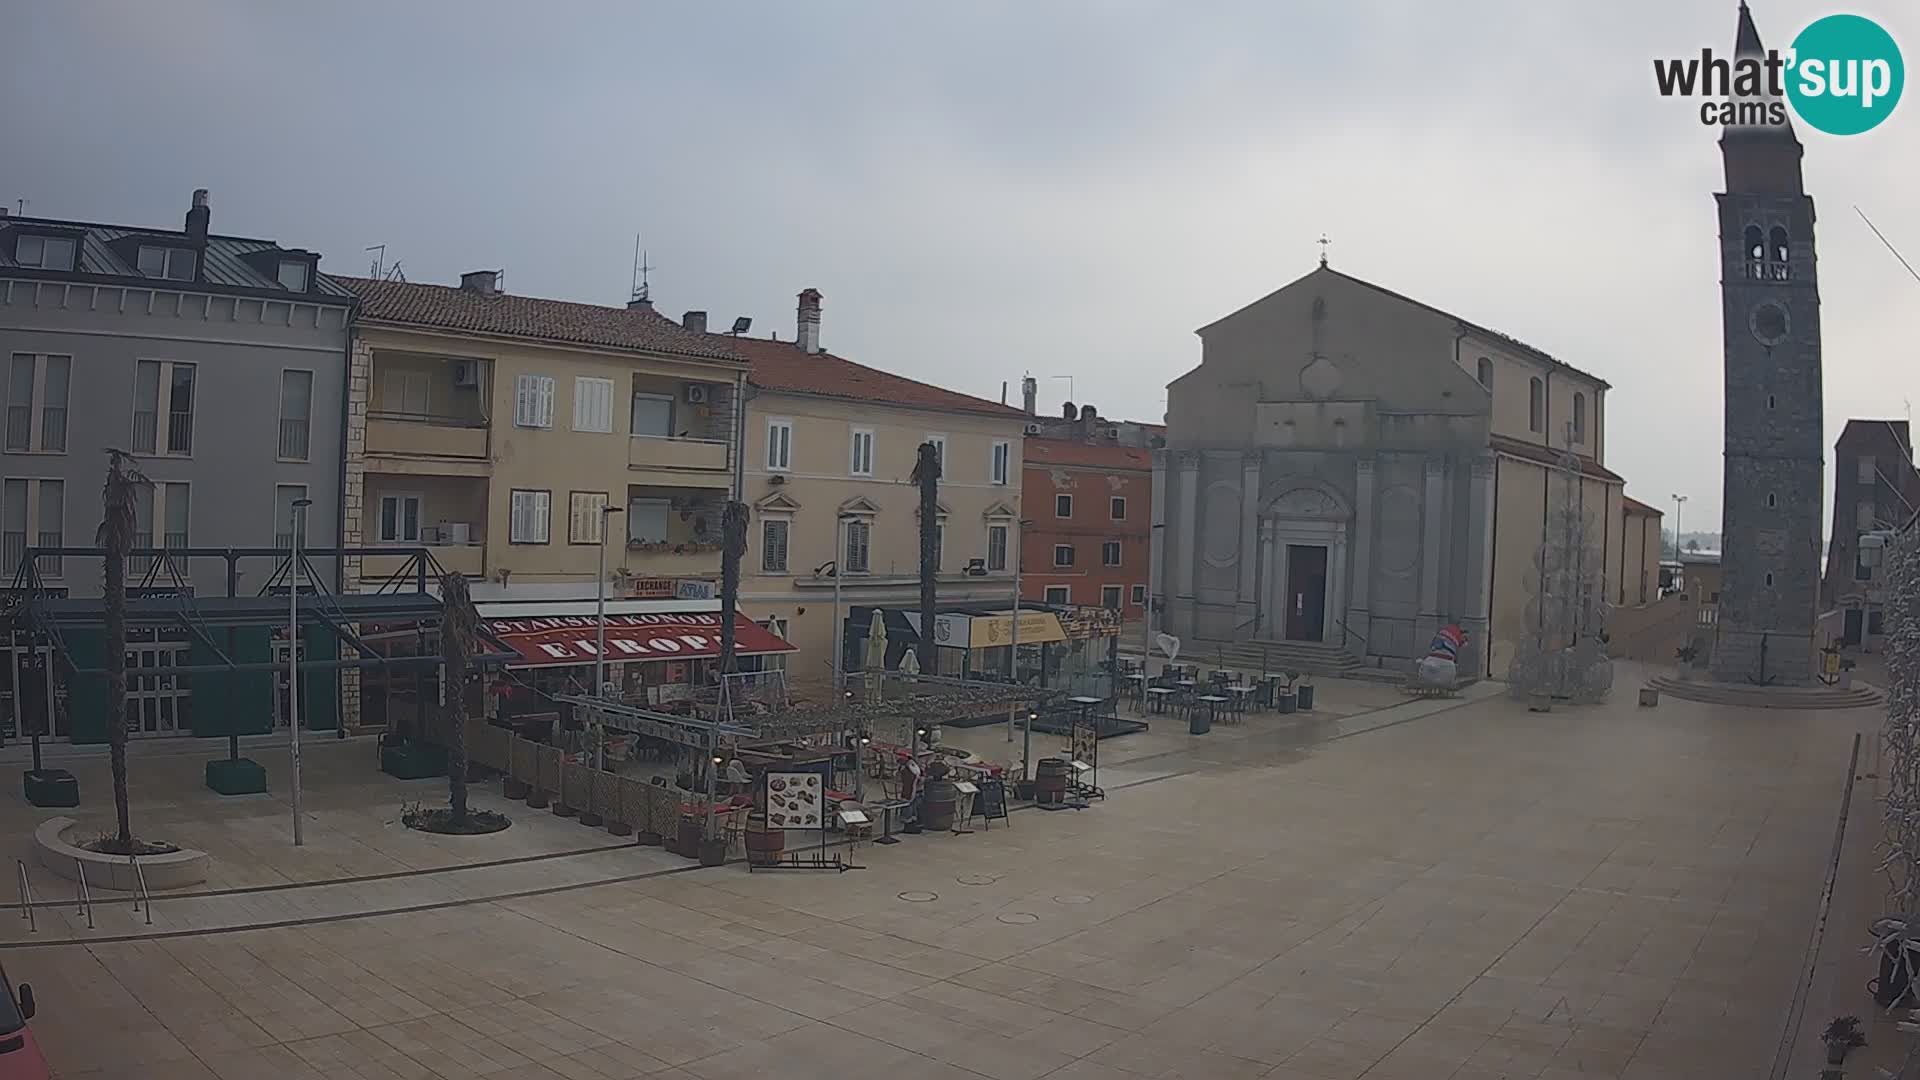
(691,589)
(1089,622)
(996,631)
(649,588)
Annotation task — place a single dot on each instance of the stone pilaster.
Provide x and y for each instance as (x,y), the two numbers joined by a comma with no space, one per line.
(1359,606)
(1187,491)
(1476,620)
(1161,543)
(1433,525)
(1249,563)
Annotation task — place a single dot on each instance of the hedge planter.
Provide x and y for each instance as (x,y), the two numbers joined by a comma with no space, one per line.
(50,787)
(537,799)
(619,828)
(236,776)
(515,789)
(413,761)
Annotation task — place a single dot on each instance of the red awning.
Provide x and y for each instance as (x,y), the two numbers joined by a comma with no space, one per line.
(678,636)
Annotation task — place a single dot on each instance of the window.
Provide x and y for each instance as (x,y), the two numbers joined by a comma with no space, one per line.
(1063,554)
(405,393)
(293,275)
(50,406)
(1875,623)
(174,264)
(996,547)
(1865,475)
(779,445)
(1001,462)
(284,496)
(50,524)
(651,415)
(1713,597)
(860,453)
(1579,417)
(1059,594)
(592,405)
(1769,401)
(1536,404)
(647,519)
(1117,508)
(585,521)
(1769,581)
(1063,506)
(13,525)
(296,413)
(1110,597)
(44,252)
(531,517)
(1863,515)
(859,537)
(1485,372)
(162,407)
(533,401)
(399,518)
(1770,503)
(939,442)
(1110,553)
(773,545)
(1140,595)
(173,503)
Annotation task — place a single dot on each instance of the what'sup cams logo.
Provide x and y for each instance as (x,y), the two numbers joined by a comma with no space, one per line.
(1843,75)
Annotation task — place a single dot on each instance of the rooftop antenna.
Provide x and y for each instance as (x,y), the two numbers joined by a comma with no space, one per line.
(379,257)
(642,291)
(1069,379)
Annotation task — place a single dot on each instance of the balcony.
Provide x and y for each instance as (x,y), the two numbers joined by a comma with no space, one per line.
(676,561)
(468,559)
(680,462)
(418,435)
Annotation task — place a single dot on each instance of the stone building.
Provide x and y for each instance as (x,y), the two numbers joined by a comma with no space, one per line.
(1775,458)
(1349,469)
(1875,489)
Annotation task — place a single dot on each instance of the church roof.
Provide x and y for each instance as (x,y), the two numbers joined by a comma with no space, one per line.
(1635,506)
(1547,455)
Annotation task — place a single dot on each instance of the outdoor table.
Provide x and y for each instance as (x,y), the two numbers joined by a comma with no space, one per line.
(1157,697)
(889,812)
(1241,696)
(1269,684)
(1136,685)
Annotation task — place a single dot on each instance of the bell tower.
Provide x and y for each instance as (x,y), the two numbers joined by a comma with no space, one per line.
(1772,493)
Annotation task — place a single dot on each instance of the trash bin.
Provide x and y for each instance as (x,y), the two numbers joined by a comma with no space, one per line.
(1199,720)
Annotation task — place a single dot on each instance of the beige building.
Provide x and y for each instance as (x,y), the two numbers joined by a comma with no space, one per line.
(493,430)
(830,449)
(1349,469)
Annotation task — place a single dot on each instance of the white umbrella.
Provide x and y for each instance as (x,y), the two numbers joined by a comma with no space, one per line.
(877,642)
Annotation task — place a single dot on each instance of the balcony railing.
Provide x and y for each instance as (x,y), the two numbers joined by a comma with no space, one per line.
(293,439)
(434,436)
(145,425)
(659,452)
(13,548)
(1768,270)
(468,559)
(138,564)
(50,565)
(179,432)
(53,428)
(19,427)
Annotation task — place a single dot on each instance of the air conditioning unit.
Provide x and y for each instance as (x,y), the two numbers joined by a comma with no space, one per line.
(456,532)
(1033,429)
(696,394)
(1113,433)
(777,479)
(466,373)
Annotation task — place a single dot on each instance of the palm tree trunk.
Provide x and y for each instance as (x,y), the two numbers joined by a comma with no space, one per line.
(733,539)
(926,473)
(116,535)
(459,634)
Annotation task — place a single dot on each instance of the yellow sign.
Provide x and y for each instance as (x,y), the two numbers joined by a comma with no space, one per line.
(1830,663)
(996,631)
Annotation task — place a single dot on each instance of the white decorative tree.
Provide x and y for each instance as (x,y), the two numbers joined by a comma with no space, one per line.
(1564,655)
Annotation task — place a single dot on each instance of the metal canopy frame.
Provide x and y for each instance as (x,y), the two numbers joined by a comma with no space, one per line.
(177,605)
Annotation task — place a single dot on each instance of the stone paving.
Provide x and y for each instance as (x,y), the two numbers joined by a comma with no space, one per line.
(1462,890)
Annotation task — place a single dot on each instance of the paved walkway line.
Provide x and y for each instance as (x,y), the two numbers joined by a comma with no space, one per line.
(1797,1009)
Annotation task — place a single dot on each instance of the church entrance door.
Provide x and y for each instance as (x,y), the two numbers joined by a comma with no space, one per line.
(1306,592)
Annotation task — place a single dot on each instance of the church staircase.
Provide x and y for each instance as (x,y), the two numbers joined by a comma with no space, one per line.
(1748,695)
(1306,657)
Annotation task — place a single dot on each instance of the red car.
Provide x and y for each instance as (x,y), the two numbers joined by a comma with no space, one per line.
(20,1057)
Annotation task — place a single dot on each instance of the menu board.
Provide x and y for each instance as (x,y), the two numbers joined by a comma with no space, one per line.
(1086,738)
(796,800)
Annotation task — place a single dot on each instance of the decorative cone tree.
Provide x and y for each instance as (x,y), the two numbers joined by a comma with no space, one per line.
(117,526)
(926,474)
(1565,654)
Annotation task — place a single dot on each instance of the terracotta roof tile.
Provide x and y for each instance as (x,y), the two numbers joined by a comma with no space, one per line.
(444,307)
(781,366)
(1067,452)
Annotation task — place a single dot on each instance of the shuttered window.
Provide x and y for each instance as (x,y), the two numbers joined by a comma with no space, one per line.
(773,545)
(533,401)
(584,518)
(531,517)
(592,405)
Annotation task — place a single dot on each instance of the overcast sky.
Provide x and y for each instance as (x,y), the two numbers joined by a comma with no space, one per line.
(986,189)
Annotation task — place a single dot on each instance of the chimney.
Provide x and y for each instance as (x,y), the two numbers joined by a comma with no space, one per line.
(640,303)
(809,328)
(1088,414)
(695,321)
(199,215)
(1030,393)
(1067,411)
(484,282)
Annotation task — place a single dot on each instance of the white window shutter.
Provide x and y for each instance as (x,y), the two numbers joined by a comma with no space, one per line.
(544,394)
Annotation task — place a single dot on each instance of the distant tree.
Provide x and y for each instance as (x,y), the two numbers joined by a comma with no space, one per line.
(926,473)
(1693,545)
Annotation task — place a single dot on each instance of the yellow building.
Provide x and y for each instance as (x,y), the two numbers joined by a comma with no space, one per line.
(493,430)
(830,449)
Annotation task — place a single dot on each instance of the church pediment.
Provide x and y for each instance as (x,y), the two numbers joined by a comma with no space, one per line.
(1297,500)
(999,510)
(940,510)
(777,502)
(860,504)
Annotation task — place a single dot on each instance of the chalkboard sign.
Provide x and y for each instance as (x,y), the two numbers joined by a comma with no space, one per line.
(992,801)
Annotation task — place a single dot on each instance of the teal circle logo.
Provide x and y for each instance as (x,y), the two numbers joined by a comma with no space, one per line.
(1845,74)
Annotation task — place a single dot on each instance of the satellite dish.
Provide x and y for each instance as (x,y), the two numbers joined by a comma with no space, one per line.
(1168,644)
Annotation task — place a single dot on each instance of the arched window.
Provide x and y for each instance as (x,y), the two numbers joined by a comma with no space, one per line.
(1486,373)
(1536,405)
(1579,418)
(1756,244)
(1777,253)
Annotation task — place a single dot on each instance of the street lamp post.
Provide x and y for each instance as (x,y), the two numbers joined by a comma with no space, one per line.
(1146,612)
(600,642)
(297,518)
(1679,501)
(1013,649)
(839,563)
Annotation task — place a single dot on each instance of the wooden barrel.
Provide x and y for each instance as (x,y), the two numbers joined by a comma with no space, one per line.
(765,845)
(1050,782)
(936,806)
(688,841)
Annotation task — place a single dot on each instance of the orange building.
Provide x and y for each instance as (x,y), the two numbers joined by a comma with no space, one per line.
(1088,534)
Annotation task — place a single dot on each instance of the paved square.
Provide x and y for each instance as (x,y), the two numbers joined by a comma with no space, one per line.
(1477,892)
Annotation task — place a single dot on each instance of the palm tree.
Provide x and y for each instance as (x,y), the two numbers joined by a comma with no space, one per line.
(117,525)
(926,473)
(459,634)
(733,546)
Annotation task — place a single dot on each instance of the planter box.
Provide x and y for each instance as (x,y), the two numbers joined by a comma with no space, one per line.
(236,776)
(54,843)
(413,761)
(1649,697)
(514,789)
(50,787)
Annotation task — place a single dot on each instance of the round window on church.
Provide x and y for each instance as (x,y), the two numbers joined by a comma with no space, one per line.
(1769,323)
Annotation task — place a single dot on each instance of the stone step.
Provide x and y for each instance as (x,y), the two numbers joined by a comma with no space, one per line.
(1767,697)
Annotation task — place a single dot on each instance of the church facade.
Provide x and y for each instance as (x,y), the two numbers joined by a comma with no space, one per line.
(1349,467)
